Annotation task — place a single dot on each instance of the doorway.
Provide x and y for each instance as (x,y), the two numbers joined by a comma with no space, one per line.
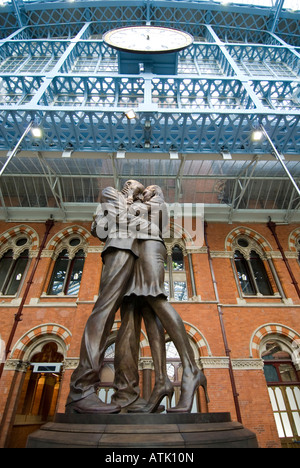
(39,394)
(284,391)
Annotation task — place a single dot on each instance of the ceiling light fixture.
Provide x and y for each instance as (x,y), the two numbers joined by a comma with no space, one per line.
(174,155)
(37,132)
(257,135)
(130,114)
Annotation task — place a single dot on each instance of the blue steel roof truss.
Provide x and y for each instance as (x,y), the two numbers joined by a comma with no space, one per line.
(262,86)
(242,71)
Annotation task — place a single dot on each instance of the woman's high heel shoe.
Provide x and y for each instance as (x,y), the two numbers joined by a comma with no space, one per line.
(187,393)
(156,398)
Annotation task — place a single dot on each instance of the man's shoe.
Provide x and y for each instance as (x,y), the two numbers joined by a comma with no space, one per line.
(91,405)
(140,405)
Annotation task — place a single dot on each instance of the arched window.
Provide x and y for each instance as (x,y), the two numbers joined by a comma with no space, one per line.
(252,274)
(107,374)
(174,371)
(173,368)
(12,268)
(284,390)
(278,366)
(251,269)
(175,277)
(244,274)
(67,273)
(298,248)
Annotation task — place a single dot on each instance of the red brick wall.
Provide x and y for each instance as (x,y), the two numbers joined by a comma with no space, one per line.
(240,323)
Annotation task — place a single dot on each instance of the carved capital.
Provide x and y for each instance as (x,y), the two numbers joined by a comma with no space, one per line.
(71,363)
(146,363)
(16,365)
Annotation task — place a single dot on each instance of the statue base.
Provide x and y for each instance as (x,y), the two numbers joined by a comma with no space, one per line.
(125,431)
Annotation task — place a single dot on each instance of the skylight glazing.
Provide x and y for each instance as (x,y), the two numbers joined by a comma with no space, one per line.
(240,70)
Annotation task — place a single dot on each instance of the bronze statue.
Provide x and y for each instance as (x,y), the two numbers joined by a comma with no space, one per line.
(147,279)
(119,254)
(126,382)
(133,275)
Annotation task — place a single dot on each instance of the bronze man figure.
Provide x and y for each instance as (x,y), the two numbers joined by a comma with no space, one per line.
(119,254)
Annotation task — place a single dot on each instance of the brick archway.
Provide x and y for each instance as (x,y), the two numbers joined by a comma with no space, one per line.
(19,230)
(144,343)
(193,333)
(65,233)
(292,240)
(271,329)
(198,339)
(240,231)
(47,330)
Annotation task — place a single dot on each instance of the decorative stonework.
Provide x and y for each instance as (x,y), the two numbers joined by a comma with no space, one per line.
(9,238)
(293,240)
(271,329)
(211,362)
(47,329)
(71,363)
(220,254)
(247,364)
(16,365)
(95,248)
(250,234)
(214,362)
(146,363)
(198,339)
(176,242)
(60,241)
(196,250)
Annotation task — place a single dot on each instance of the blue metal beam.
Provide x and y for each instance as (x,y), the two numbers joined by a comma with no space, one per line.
(176,13)
(210,104)
(185,132)
(17,12)
(278,10)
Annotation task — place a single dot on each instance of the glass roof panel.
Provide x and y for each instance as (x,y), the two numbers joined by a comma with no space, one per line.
(159,168)
(289,4)
(261,3)
(261,184)
(264,3)
(150,167)
(293,5)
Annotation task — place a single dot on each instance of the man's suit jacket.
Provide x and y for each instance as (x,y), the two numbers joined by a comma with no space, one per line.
(113,217)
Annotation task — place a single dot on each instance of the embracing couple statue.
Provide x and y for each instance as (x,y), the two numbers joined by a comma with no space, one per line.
(131,224)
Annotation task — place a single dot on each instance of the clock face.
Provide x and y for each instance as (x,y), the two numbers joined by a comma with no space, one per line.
(148,39)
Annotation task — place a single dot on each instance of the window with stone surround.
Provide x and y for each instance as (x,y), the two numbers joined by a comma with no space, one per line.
(175,274)
(283,387)
(67,272)
(252,268)
(13,265)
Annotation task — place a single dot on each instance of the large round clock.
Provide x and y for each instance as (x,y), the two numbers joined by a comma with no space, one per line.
(148,39)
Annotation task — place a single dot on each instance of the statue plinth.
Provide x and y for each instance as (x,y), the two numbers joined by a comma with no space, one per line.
(123,431)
